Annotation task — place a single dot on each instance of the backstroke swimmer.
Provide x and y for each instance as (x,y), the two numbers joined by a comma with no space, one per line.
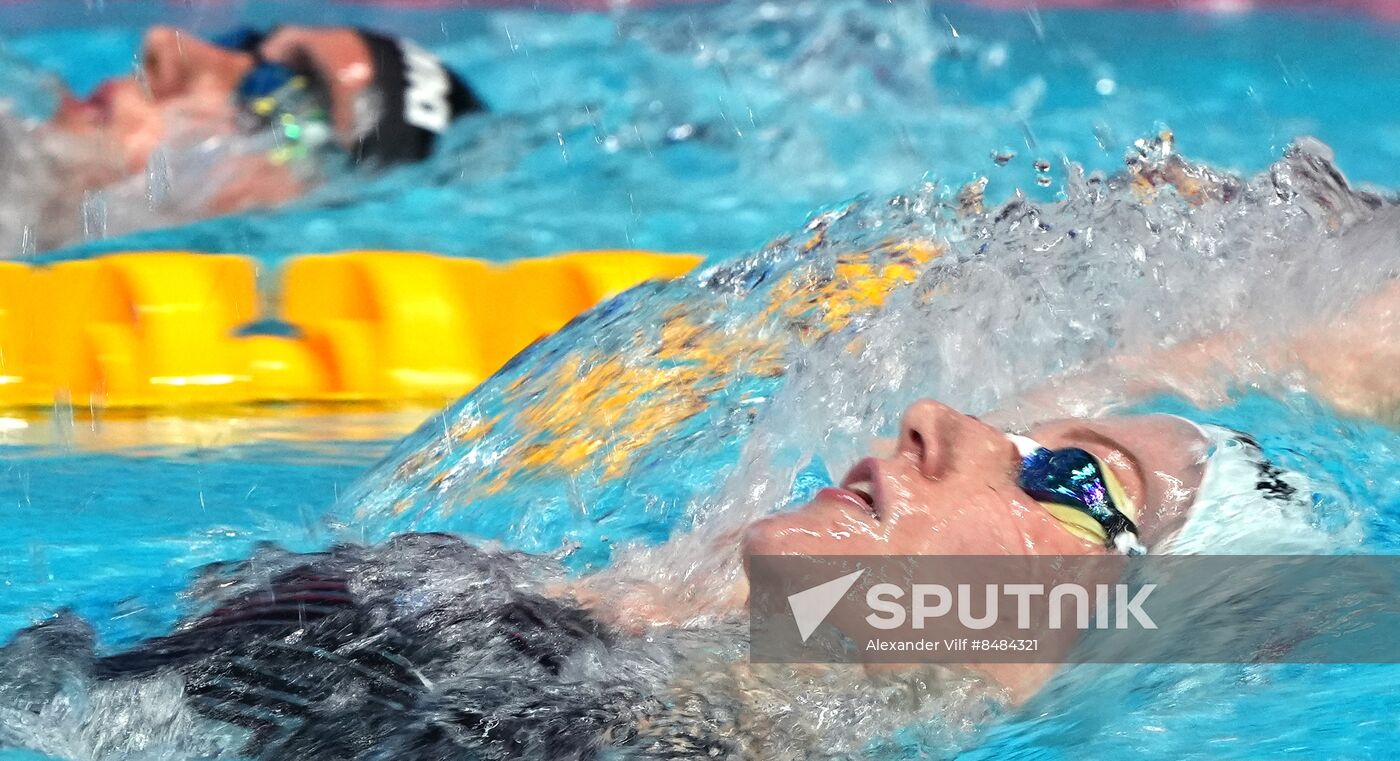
(426,647)
(246,119)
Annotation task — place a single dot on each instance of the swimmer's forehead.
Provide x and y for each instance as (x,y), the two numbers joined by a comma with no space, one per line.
(1070,431)
(1110,430)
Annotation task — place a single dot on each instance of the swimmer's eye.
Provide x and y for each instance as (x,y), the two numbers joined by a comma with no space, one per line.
(1072,478)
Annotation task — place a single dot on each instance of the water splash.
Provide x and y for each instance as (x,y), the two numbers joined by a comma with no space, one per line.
(623,424)
(696,405)
(831,98)
(688,408)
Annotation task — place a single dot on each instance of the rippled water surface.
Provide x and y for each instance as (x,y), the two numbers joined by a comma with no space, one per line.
(713,129)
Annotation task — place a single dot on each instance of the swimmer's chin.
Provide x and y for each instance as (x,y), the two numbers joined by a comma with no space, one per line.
(773,535)
(825,526)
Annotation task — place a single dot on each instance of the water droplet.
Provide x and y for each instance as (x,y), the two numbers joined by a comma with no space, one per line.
(94,211)
(1043,181)
(996,56)
(1104,136)
(28,243)
(972,196)
(158,183)
(1037,23)
(1105,86)
(1003,156)
(680,132)
(1042,166)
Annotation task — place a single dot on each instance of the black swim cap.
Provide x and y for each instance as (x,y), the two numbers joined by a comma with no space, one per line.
(412,100)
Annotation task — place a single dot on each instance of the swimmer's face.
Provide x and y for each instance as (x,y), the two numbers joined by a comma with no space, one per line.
(184,83)
(949,488)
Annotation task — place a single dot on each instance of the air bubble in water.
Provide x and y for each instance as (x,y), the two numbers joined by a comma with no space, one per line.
(1003,156)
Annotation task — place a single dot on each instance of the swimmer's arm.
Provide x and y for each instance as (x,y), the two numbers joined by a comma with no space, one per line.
(1352,362)
(1355,361)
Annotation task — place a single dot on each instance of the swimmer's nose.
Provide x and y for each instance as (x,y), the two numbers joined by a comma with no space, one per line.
(163,61)
(923,435)
(932,434)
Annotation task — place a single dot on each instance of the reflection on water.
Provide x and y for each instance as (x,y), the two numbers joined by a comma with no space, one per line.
(302,427)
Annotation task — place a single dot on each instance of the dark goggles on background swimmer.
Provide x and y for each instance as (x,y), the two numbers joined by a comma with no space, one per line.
(291,102)
(266,77)
(1081,493)
(412,98)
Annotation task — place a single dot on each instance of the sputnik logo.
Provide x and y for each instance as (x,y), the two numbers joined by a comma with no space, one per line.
(810,607)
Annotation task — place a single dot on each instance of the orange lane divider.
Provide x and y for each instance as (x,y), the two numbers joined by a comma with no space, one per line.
(163,328)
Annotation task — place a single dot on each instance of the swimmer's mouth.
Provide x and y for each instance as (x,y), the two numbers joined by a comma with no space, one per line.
(94,109)
(860,487)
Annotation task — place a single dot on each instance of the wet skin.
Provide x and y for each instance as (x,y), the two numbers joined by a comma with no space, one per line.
(184,80)
(949,488)
(187,85)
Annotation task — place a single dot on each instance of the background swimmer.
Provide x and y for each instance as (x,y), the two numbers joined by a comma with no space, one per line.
(241,121)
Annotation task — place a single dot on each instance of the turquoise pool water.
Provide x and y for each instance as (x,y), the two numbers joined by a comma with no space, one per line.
(792,108)
(200,490)
(715,129)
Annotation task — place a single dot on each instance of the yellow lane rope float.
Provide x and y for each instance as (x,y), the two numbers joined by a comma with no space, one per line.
(160,329)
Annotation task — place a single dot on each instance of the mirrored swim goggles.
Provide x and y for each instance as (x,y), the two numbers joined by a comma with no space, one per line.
(1081,493)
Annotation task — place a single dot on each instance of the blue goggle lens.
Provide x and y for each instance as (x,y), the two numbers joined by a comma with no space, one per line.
(1074,478)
